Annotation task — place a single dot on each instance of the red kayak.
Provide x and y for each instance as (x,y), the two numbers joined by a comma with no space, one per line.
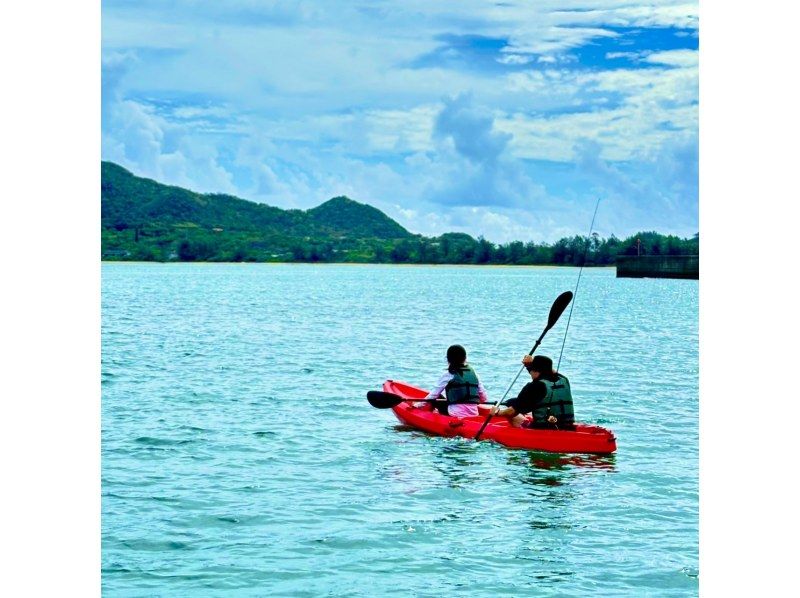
(584,439)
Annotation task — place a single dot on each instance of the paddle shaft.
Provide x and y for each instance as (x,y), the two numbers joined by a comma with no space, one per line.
(558,307)
(423,400)
(510,386)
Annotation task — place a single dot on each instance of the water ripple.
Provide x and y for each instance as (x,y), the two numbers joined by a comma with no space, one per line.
(239,453)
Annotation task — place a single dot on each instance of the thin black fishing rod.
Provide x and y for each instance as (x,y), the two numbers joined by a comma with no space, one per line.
(575,294)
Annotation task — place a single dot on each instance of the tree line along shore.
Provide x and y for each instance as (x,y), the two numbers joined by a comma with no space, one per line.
(191,245)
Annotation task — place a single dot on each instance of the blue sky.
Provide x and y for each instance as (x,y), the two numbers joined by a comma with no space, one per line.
(502,119)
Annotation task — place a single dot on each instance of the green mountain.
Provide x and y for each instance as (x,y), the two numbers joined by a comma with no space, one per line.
(128,201)
(142,219)
(346,216)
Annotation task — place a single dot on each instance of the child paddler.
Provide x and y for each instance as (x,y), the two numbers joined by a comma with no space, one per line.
(462,389)
(547,397)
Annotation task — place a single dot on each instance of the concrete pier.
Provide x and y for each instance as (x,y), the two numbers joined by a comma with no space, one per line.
(658,266)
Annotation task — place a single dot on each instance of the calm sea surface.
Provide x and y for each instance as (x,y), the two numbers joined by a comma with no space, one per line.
(240,456)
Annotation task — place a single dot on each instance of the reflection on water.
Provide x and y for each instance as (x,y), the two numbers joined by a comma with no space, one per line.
(457,461)
(557,461)
(562,462)
(551,480)
(539,460)
(461,452)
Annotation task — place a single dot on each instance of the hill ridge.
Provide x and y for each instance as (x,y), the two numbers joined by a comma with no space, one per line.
(128,200)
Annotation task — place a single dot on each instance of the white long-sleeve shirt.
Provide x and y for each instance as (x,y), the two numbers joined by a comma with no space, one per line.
(458,409)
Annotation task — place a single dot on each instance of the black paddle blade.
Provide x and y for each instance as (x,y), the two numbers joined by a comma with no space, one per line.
(559,305)
(383,400)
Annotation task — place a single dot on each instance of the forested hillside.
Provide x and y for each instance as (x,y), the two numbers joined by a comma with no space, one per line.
(142,219)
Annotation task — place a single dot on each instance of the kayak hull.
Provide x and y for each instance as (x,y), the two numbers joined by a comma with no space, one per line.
(584,439)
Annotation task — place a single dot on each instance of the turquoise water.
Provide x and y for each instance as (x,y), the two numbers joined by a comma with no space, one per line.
(240,456)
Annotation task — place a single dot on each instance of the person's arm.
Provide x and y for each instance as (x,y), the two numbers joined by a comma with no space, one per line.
(507,411)
(440,385)
(529,396)
(484,398)
(510,410)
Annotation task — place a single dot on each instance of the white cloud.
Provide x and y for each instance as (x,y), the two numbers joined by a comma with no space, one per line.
(201,112)
(655,105)
(653,14)
(514,59)
(136,137)
(292,103)
(635,56)
(535,38)
(496,224)
(683,58)
(401,130)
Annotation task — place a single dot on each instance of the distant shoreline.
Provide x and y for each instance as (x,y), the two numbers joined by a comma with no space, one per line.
(548,266)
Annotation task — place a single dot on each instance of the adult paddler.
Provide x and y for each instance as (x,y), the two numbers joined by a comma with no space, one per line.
(547,398)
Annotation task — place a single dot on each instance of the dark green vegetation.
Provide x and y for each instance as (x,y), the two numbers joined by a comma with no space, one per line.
(145,220)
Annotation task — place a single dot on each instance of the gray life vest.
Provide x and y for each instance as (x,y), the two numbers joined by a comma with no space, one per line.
(557,401)
(463,388)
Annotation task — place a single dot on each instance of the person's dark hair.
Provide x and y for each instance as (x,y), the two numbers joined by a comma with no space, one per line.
(456,356)
(542,364)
